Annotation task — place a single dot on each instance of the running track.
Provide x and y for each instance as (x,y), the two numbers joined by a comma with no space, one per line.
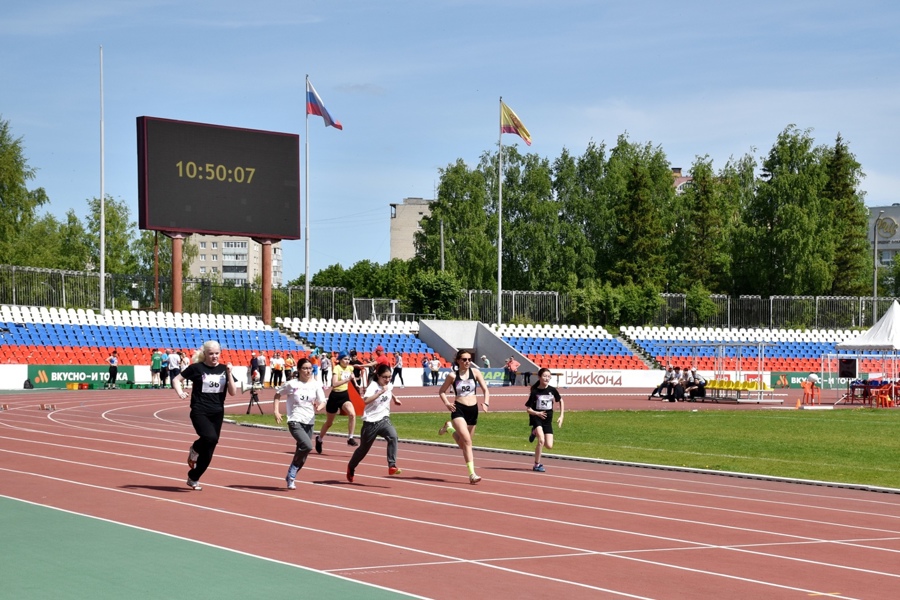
(580,530)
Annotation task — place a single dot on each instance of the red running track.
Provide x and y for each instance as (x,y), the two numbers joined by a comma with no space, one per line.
(580,530)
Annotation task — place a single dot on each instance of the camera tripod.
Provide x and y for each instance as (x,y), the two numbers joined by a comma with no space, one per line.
(254,399)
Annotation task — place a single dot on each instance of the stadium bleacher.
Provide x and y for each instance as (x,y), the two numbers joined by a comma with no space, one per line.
(570,347)
(30,334)
(782,349)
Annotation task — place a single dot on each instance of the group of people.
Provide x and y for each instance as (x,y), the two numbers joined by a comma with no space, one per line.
(165,365)
(304,396)
(680,385)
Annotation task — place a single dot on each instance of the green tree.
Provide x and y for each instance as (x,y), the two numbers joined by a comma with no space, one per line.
(573,254)
(852,264)
(151,247)
(739,181)
(788,224)
(18,204)
(434,292)
(460,216)
(531,229)
(699,304)
(119,233)
(332,276)
(702,247)
(74,244)
(641,195)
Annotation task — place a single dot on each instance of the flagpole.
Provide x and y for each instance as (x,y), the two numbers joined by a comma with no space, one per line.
(102,199)
(500,221)
(306,175)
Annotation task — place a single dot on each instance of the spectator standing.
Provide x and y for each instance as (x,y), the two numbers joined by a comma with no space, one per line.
(304,398)
(435,367)
(164,368)
(261,362)
(398,369)
(155,364)
(377,422)
(359,369)
(426,371)
(512,366)
(185,362)
(325,368)
(174,364)
(253,369)
(113,361)
(290,367)
(277,369)
(540,415)
(211,381)
(485,362)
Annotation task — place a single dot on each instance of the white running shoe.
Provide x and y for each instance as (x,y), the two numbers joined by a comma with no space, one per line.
(473,478)
(195,485)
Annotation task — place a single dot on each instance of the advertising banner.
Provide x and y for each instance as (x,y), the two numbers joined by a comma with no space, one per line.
(57,376)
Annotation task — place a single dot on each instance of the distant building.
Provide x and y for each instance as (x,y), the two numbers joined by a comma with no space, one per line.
(682,182)
(233,259)
(405,222)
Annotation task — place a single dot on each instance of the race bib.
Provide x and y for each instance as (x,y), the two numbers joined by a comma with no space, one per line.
(213,384)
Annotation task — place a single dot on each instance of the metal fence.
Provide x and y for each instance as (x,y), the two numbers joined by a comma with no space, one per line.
(70,289)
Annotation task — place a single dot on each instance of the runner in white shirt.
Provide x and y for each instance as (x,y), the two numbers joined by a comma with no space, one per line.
(377,421)
(305,397)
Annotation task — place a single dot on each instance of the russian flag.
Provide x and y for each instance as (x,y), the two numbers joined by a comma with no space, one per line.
(314,106)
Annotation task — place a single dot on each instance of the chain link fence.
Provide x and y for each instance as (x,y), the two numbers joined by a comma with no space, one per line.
(71,289)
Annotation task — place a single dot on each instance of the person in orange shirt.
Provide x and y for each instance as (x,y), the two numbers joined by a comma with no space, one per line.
(290,365)
(314,360)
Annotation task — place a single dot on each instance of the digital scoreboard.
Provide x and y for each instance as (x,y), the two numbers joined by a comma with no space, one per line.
(212,179)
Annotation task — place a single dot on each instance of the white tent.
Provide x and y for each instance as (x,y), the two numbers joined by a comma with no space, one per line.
(884,336)
(881,343)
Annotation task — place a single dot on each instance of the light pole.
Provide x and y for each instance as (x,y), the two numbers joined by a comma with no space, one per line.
(875,268)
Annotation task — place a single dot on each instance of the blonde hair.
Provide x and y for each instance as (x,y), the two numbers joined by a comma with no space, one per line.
(200,354)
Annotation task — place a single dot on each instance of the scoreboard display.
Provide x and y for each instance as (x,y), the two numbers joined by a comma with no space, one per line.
(212,179)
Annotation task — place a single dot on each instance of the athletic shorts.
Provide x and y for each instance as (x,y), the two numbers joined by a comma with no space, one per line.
(545,424)
(469,413)
(336,400)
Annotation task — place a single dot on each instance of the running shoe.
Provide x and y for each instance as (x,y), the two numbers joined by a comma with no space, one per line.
(538,467)
(473,478)
(194,484)
(318,445)
(352,442)
(350,473)
(531,437)
(394,470)
(444,429)
(290,483)
(192,458)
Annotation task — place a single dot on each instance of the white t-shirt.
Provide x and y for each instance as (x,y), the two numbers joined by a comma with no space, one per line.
(381,406)
(301,400)
(174,361)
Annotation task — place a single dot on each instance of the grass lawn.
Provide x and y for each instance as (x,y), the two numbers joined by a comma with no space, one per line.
(857,446)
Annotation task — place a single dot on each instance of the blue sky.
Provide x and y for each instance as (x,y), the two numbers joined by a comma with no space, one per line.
(416,85)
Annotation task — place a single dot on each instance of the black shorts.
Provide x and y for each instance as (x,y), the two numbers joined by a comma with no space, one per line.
(336,400)
(545,424)
(469,413)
